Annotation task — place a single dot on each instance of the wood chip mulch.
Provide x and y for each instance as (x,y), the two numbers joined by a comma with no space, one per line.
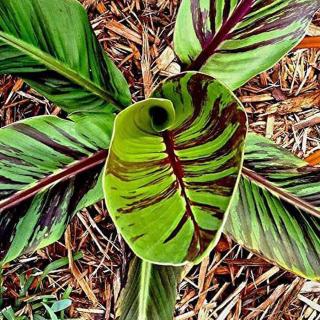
(283,104)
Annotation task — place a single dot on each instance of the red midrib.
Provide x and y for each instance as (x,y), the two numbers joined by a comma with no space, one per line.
(179,173)
(223,34)
(290,198)
(70,171)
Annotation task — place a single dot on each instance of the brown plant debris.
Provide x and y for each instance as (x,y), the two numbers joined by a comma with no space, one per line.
(282,103)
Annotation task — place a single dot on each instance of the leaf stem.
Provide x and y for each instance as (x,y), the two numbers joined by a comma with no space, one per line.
(282,194)
(223,34)
(79,167)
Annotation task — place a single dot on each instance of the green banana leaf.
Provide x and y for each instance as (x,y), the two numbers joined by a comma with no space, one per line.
(277,214)
(150,292)
(51,45)
(49,169)
(173,166)
(234,40)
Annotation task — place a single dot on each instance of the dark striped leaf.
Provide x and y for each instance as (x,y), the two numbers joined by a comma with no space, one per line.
(49,169)
(150,292)
(278,210)
(51,45)
(41,220)
(173,166)
(234,40)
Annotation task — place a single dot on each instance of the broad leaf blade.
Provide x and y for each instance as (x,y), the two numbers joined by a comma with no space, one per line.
(41,220)
(51,45)
(224,36)
(150,292)
(42,161)
(269,223)
(173,166)
(39,148)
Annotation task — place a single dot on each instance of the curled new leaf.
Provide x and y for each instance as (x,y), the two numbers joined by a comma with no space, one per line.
(236,40)
(173,166)
(277,214)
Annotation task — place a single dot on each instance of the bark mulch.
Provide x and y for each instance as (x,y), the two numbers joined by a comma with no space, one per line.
(282,104)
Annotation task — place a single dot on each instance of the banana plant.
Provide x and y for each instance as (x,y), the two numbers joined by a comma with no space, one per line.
(176,158)
(176,170)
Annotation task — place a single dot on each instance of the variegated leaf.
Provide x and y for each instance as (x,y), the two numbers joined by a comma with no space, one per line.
(42,184)
(173,166)
(234,40)
(277,214)
(41,220)
(51,45)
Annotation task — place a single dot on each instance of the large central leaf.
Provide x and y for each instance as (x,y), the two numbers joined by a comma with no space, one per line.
(173,166)
(51,45)
(49,169)
(234,40)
